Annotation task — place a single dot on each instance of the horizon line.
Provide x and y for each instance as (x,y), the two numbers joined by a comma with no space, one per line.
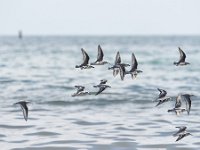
(98,35)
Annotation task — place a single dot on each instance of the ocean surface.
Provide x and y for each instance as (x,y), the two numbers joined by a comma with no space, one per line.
(41,69)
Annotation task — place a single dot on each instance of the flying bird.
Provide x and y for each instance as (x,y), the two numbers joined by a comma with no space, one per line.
(186,98)
(23,105)
(102,86)
(80,91)
(100,56)
(181,130)
(181,61)
(182,135)
(80,88)
(85,64)
(117,65)
(162,98)
(162,94)
(133,71)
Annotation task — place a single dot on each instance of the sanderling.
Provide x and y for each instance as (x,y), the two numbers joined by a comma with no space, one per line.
(100,55)
(23,105)
(85,64)
(181,61)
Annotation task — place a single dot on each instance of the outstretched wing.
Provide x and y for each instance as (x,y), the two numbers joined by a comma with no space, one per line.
(182,55)
(181,129)
(180,137)
(100,54)
(134,63)
(186,98)
(117,58)
(115,72)
(178,101)
(24,110)
(101,89)
(122,71)
(85,58)
(163,93)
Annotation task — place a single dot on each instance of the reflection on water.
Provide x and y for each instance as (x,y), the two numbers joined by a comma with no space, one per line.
(42,70)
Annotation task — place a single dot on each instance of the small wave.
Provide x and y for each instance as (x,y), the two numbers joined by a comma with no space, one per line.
(44,133)
(15,126)
(87,123)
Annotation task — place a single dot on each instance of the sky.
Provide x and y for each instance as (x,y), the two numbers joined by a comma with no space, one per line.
(100,17)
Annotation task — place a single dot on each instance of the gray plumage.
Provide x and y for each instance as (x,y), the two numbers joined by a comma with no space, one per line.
(181,129)
(177,110)
(117,65)
(23,105)
(85,64)
(80,91)
(100,56)
(79,88)
(103,81)
(134,65)
(101,87)
(162,94)
(186,98)
(182,135)
(182,58)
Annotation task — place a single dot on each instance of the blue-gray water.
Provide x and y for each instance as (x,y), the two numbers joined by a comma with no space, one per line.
(42,70)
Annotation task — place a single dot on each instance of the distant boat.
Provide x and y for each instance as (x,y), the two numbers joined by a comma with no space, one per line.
(20,34)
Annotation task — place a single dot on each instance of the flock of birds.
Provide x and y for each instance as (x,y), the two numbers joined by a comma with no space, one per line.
(120,68)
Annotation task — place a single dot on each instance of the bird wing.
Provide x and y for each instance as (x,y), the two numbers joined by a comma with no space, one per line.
(117,59)
(115,71)
(182,55)
(186,98)
(24,110)
(134,63)
(85,58)
(100,54)
(180,137)
(178,101)
(163,93)
(181,129)
(101,89)
(122,71)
